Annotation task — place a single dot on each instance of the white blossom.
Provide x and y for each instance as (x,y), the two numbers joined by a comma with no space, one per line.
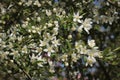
(86,24)
(37,3)
(48,12)
(91,43)
(56,42)
(29,2)
(78,46)
(77,17)
(24,49)
(43,43)
(90,60)
(49,49)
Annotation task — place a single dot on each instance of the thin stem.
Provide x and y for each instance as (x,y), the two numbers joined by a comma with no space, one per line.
(29,77)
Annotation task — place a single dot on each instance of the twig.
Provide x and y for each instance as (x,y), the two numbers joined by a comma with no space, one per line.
(29,77)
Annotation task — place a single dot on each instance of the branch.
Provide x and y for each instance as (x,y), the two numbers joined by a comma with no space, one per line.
(29,77)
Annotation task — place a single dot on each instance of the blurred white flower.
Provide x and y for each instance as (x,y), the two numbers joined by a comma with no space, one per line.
(86,24)
(56,42)
(10,45)
(38,19)
(49,24)
(3,10)
(94,52)
(78,46)
(41,60)
(0,40)
(43,43)
(37,3)
(38,49)
(20,3)
(80,29)
(22,0)
(77,17)
(24,49)
(91,43)
(90,61)
(55,30)
(73,28)
(48,12)
(63,12)
(56,23)
(33,58)
(74,57)
(54,10)
(34,31)
(29,2)
(64,57)
(83,50)
(49,50)
(40,64)
(48,37)
(69,36)
(19,38)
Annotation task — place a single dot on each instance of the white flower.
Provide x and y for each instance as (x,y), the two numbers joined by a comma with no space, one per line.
(73,28)
(0,40)
(56,42)
(20,3)
(55,30)
(22,0)
(83,50)
(49,50)
(19,38)
(56,23)
(39,49)
(24,49)
(33,57)
(78,46)
(86,24)
(34,31)
(64,57)
(3,10)
(48,37)
(40,64)
(76,17)
(38,19)
(90,60)
(37,3)
(41,61)
(54,10)
(29,3)
(43,43)
(14,52)
(74,57)
(48,12)
(69,36)
(79,29)
(94,52)
(49,24)
(10,45)
(91,43)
